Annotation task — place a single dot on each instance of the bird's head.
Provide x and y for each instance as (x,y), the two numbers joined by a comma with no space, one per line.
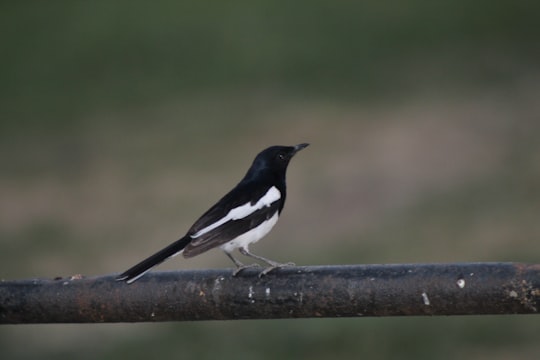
(275,159)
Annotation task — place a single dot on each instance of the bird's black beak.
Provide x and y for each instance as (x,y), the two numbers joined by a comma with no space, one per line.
(299,147)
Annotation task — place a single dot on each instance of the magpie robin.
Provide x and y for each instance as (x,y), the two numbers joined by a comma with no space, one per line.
(242,217)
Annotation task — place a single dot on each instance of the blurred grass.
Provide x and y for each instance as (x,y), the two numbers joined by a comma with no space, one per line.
(63,60)
(121,122)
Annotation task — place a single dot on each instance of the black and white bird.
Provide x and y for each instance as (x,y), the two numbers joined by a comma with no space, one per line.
(242,217)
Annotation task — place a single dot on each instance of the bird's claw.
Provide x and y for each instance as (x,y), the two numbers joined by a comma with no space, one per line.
(275,266)
(243,267)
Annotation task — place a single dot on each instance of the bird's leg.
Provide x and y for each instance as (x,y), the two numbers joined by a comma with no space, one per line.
(239,265)
(273,264)
(246,252)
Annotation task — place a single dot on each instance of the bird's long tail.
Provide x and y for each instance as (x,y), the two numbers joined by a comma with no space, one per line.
(141,268)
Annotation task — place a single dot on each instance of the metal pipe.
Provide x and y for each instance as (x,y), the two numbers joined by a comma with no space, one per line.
(292,292)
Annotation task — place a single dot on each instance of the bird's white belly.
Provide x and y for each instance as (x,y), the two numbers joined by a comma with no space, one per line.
(251,236)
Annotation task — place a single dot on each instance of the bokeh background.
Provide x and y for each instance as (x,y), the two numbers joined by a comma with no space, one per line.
(121,122)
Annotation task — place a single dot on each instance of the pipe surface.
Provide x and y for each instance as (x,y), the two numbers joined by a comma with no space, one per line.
(291,292)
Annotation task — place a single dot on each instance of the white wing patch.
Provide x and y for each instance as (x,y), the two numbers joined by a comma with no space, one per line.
(252,236)
(243,211)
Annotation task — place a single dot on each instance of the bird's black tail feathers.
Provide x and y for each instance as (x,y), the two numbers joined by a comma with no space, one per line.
(141,268)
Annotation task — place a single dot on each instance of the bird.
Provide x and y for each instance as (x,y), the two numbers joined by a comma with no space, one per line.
(242,217)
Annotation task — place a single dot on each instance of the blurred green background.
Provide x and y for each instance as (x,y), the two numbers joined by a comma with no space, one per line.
(121,122)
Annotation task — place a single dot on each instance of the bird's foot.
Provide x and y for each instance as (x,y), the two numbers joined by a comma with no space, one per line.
(243,267)
(275,266)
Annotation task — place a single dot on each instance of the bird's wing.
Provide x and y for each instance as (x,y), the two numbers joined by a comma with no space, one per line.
(237,212)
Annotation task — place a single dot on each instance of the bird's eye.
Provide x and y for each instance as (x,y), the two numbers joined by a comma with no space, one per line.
(281,156)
